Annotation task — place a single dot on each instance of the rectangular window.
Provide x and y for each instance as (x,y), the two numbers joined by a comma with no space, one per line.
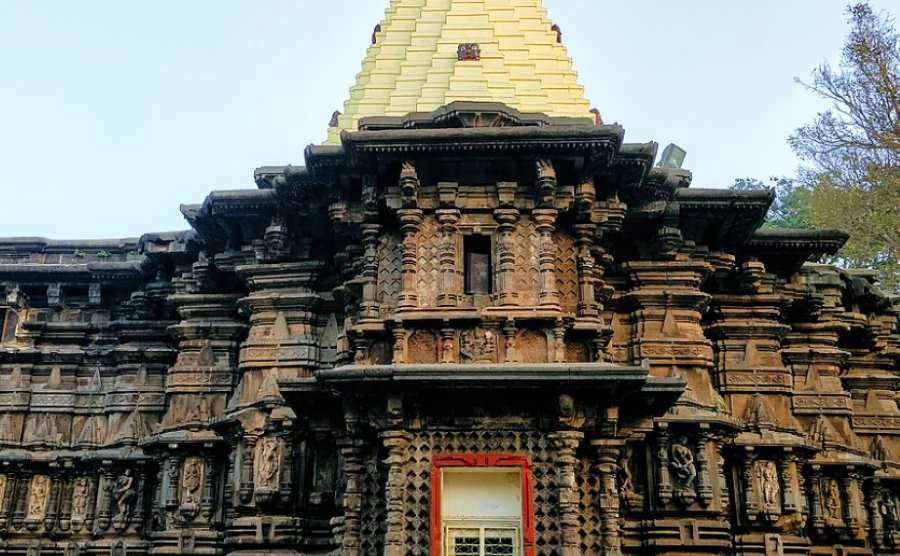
(479,276)
(481,505)
(9,319)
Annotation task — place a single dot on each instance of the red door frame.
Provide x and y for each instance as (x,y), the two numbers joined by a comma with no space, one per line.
(441,461)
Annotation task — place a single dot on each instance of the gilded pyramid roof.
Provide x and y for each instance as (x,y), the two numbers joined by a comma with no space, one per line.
(414,63)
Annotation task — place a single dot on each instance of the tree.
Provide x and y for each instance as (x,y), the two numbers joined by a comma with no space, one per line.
(852,151)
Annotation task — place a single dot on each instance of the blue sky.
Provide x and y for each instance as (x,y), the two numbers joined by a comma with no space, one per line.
(113,113)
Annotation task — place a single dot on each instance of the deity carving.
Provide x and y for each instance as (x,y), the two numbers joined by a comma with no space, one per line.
(191,481)
(268,464)
(478,346)
(832,500)
(39,495)
(79,498)
(125,493)
(684,470)
(767,474)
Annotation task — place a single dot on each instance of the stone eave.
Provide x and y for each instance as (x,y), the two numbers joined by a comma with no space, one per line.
(119,246)
(542,140)
(600,377)
(87,272)
(456,112)
(797,245)
(722,217)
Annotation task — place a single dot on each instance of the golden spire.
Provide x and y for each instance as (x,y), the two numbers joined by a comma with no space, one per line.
(428,53)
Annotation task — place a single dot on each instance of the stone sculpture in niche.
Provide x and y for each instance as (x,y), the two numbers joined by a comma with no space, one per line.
(478,346)
(269,464)
(37,501)
(191,481)
(833,500)
(683,468)
(125,495)
(79,499)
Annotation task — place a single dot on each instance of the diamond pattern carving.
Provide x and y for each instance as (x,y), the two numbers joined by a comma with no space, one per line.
(527,276)
(390,255)
(428,243)
(566,272)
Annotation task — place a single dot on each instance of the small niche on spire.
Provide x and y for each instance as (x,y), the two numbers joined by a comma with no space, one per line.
(468,52)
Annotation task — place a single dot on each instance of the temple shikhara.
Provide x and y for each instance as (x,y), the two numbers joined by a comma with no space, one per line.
(475,321)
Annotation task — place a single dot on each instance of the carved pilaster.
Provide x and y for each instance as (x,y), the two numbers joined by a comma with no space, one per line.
(785,473)
(173,470)
(506,255)
(751,504)
(410,220)
(448,345)
(450,292)
(664,489)
(396,443)
(607,466)
(704,474)
(369,304)
(245,491)
(584,240)
(207,501)
(400,335)
(815,492)
(567,443)
(351,452)
(509,334)
(545,220)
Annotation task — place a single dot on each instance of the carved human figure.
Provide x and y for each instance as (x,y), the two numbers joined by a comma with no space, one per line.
(79,498)
(833,500)
(887,509)
(478,346)
(768,480)
(626,478)
(125,494)
(37,501)
(191,481)
(682,463)
(269,464)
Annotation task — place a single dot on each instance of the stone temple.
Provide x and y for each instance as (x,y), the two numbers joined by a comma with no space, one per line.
(476,321)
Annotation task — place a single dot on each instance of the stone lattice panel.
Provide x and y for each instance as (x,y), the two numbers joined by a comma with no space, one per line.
(590,526)
(417,494)
(428,278)
(374,513)
(527,247)
(389,264)
(566,272)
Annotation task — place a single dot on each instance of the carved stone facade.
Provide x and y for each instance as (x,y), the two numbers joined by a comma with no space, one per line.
(289,376)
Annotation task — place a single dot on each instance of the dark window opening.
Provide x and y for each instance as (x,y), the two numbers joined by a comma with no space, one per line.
(477,261)
(9,319)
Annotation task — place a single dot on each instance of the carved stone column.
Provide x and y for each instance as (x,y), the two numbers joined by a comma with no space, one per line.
(450,293)
(351,452)
(787,484)
(245,491)
(207,501)
(664,489)
(815,493)
(559,342)
(584,240)
(607,454)
(509,333)
(173,472)
(567,443)
(704,473)
(545,220)
(396,443)
(751,504)
(369,304)
(400,335)
(410,220)
(506,217)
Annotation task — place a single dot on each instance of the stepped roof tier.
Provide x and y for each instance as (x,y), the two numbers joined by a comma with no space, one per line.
(428,53)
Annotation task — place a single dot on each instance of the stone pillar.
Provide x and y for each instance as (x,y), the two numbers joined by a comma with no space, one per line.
(545,220)
(173,473)
(410,220)
(664,489)
(704,473)
(396,443)
(506,217)
(207,500)
(787,484)
(400,335)
(751,504)
(450,292)
(584,240)
(351,452)
(607,454)
(448,344)
(509,333)
(567,443)
(245,491)
(369,304)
